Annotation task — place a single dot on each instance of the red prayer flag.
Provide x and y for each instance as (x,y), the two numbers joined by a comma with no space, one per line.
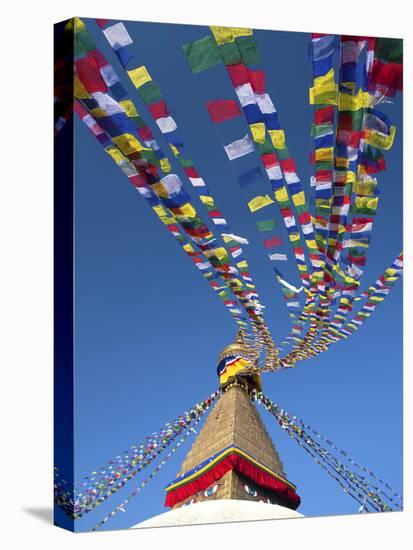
(270,243)
(269,160)
(389,75)
(288,165)
(324,115)
(101,22)
(89,74)
(257,81)
(304,218)
(222,109)
(145,133)
(158,109)
(238,74)
(191,172)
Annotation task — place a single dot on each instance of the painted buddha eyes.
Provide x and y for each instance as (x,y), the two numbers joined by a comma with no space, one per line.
(188,502)
(210,491)
(254,493)
(250,491)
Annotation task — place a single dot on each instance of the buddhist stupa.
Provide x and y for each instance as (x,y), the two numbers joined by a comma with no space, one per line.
(233,471)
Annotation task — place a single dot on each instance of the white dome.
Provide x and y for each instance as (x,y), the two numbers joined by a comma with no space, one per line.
(219,511)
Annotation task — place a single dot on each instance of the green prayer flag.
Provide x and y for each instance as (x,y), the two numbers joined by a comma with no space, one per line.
(389,49)
(84,42)
(266,225)
(324,164)
(283,154)
(150,92)
(150,156)
(266,147)
(185,163)
(202,54)
(230,53)
(248,49)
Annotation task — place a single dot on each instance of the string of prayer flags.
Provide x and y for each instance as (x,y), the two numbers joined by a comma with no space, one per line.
(258,109)
(166,123)
(364,490)
(343,183)
(186,215)
(322,51)
(94,489)
(121,507)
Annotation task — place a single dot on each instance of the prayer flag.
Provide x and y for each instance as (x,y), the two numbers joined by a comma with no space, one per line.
(247,178)
(202,54)
(271,243)
(266,225)
(223,109)
(259,202)
(117,36)
(239,148)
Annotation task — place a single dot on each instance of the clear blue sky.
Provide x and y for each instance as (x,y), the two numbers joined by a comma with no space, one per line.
(149,328)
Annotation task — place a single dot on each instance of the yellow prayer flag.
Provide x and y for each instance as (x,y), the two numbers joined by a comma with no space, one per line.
(243,264)
(299,199)
(188,247)
(139,76)
(114,152)
(97,112)
(294,237)
(342,162)
(207,200)
(381,141)
(165,165)
(349,177)
(324,90)
(128,144)
(259,202)
(277,138)
(311,244)
(281,194)
(366,202)
(325,153)
(175,150)
(185,211)
(219,253)
(349,102)
(129,107)
(79,90)
(365,187)
(160,189)
(224,35)
(258,132)
(323,203)
(161,212)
